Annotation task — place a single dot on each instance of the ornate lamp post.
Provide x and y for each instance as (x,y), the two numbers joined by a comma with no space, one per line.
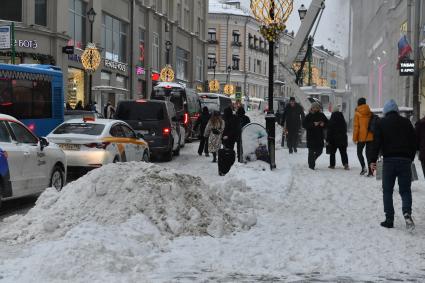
(91,14)
(272,15)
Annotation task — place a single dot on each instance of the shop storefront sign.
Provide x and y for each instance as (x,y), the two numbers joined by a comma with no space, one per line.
(140,70)
(407,68)
(115,65)
(5,37)
(24,43)
(75,58)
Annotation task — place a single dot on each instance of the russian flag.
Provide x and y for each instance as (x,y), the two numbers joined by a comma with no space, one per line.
(404,47)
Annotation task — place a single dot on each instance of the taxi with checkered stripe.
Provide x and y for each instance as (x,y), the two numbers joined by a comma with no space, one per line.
(90,143)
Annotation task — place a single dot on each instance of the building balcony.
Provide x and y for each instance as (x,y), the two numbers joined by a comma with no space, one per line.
(236,44)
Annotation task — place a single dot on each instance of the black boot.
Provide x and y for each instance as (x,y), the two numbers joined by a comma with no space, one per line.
(388,223)
(214,157)
(410,225)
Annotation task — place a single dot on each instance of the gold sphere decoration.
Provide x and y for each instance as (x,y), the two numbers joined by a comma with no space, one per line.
(214,85)
(91,58)
(167,74)
(272,15)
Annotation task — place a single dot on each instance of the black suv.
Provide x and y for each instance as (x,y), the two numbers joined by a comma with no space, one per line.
(157,121)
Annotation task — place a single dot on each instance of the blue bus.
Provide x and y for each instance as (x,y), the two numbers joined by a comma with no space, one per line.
(33,94)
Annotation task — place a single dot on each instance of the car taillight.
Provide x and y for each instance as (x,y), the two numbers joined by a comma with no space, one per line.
(166,131)
(31,127)
(186,118)
(99,145)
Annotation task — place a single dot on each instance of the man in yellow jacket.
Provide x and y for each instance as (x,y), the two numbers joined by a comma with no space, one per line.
(361,134)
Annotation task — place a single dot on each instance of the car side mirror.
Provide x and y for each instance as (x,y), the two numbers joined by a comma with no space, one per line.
(43,143)
(140,136)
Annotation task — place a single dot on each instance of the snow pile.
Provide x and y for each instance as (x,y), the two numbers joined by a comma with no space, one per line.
(177,204)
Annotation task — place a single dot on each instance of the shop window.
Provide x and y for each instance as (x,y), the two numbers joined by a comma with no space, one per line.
(121,82)
(11,10)
(114,39)
(75,91)
(182,64)
(41,12)
(77,23)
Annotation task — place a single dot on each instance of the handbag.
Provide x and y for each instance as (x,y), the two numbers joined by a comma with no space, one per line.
(215,131)
(328,149)
(414,172)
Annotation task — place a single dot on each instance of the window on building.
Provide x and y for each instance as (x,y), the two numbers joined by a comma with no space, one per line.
(187,19)
(255,41)
(142,47)
(236,35)
(249,64)
(105,78)
(77,23)
(250,38)
(114,38)
(198,27)
(235,62)
(182,64)
(211,60)
(199,69)
(259,66)
(41,12)
(11,10)
(261,43)
(121,81)
(212,35)
(179,14)
(155,52)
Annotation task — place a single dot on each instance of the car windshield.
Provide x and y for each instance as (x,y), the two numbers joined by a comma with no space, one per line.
(80,128)
(141,111)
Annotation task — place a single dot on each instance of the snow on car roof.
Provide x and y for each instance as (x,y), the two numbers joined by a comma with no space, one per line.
(7,117)
(96,121)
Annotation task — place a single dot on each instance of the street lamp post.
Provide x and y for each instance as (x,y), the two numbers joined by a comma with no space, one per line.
(168,45)
(91,14)
(214,66)
(272,15)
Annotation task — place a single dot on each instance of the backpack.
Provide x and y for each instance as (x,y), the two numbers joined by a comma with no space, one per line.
(371,127)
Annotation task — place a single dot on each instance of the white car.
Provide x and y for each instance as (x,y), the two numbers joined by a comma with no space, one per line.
(28,165)
(91,143)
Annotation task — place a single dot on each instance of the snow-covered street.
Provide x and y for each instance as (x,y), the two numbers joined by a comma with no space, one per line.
(143,223)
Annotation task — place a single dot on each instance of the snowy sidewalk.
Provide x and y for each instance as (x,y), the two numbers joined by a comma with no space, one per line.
(321,224)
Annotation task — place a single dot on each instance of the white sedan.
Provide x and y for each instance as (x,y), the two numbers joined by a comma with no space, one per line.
(28,165)
(91,143)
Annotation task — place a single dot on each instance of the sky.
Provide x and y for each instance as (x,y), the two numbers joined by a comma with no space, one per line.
(333,31)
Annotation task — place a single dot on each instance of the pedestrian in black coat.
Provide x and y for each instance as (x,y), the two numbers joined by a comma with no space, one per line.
(201,123)
(337,138)
(243,120)
(420,141)
(315,123)
(232,128)
(292,119)
(395,137)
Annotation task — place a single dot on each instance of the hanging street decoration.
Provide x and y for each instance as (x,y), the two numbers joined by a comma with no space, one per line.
(91,58)
(229,89)
(167,74)
(214,85)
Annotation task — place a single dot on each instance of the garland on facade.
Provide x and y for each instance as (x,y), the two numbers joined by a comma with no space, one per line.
(35,56)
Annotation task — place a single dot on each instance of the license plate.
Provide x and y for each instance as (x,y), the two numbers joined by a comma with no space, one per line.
(143,132)
(67,146)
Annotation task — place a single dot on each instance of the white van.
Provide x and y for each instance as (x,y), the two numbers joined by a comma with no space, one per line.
(215,101)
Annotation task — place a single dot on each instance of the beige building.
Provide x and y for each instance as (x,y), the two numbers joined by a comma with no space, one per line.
(132,37)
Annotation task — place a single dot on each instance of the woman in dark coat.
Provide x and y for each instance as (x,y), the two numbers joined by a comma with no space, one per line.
(315,123)
(232,129)
(337,138)
(201,123)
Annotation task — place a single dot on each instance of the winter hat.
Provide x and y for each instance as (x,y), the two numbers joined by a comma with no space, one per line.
(315,105)
(240,111)
(337,108)
(361,101)
(292,98)
(390,106)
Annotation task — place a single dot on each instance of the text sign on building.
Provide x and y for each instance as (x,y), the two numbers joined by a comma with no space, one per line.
(407,68)
(5,42)
(116,65)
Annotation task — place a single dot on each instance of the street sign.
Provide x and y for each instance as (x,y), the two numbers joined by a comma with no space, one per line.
(5,42)
(407,67)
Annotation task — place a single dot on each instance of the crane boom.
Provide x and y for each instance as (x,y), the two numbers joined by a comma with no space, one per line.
(304,31)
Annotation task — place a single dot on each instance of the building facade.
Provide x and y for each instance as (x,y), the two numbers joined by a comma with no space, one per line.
(376,28)
(132,36)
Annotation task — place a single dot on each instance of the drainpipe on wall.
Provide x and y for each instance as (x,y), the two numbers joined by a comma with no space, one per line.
(380,79)
(409,38)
